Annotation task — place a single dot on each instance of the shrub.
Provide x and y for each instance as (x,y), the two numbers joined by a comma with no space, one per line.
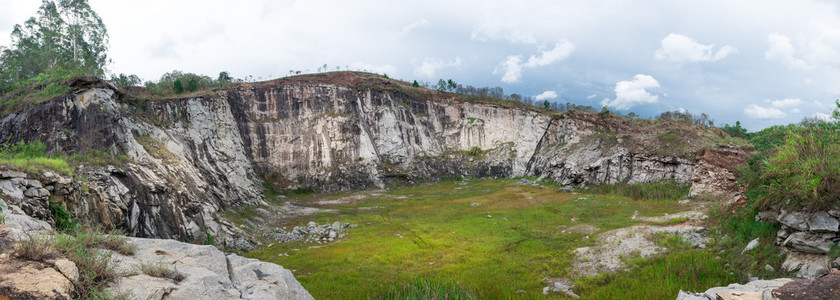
(798,167)
(36,248)
(63,219)
(178,86)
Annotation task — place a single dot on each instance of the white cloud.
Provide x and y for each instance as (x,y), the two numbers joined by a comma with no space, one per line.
(630,93)
(758,112)
(512,67)
(546,95)
(676,47)
(781,49)
(561,51)
(822,116)
(786,103)
(431,65)
(410,27)
(497,30)
(382,69)
(591,96)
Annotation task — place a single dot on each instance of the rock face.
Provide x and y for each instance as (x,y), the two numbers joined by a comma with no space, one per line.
(807,237)
(183,160)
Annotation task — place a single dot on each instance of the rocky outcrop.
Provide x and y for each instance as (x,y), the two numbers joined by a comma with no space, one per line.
(755,290)
(203,272)
(806,238)
(183,160)
(207,273)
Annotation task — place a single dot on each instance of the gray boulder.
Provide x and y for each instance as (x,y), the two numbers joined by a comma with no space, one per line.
(796,220)
(808,265)
(261,280)
(822,222)
(807,243)
(208,274)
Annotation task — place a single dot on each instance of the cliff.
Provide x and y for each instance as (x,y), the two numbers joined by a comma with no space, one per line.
(187,159)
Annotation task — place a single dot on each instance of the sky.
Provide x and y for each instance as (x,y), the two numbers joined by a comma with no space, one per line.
(758,62)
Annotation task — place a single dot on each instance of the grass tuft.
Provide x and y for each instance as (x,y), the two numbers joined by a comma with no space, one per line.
(161,270)
(425,289)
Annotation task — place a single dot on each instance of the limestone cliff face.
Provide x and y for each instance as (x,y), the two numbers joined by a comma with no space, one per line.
(189,158)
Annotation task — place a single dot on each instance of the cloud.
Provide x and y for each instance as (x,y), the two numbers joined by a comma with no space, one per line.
(631,93)
(512,67)
(822,116)
(591,96)
(546,95)
(561,51)
(786,103)
(764,113)
(780,49)
(410,27)
(164,48)
(431,65)
(497,30)
(676,47)
(373,68)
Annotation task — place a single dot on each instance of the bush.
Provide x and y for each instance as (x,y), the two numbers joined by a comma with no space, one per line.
(177,86)
(63,219)
(802,171)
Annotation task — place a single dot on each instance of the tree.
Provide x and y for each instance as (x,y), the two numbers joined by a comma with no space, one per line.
(546,104)
(65,35)
(451,85)
(192,84)
(415,84)
(735,131)
(441,85)
(178,86)
(125,81)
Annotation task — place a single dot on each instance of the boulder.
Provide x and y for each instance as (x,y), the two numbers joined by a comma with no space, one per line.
(208,272)
(796,220)
(826,287)
(809,265)
(752,290)
(822,222)
(807,243)
(261,280)
(32,280)
(68,268)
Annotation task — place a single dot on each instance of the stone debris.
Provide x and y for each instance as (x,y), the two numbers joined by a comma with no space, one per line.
(311,233)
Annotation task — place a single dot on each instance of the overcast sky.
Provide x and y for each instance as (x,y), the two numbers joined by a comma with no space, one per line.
(760,62)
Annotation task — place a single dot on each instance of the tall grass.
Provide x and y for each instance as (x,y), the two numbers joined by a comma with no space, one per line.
(426,289)
(664,190)
(32,157)
(803,171)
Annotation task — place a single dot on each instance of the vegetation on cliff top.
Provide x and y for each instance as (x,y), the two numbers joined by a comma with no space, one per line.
(797,166)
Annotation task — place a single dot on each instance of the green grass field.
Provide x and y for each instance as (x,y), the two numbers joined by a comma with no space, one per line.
(430,232)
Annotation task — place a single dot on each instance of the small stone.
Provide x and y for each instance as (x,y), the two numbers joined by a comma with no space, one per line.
(504,219)
(474,204)
(751,245)
(770,268)
(489,216)
(68,268)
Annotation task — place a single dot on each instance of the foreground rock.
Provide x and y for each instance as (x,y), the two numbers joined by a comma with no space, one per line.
(825,287)
(756,290)
(207,274)
(200,271)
